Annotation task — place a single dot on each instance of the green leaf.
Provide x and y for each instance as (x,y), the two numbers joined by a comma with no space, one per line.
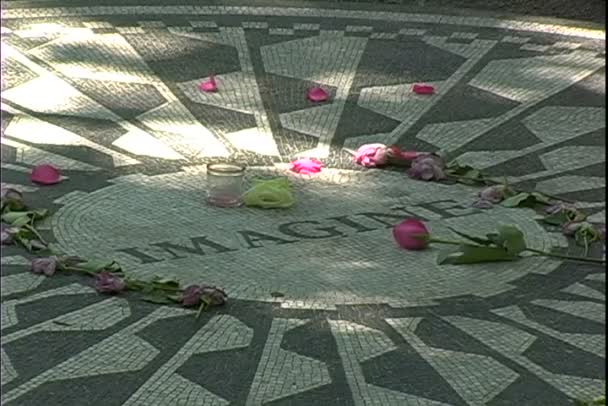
(175,298)
(511,238)
(556,219)
(478,240)
(168,282)
(100,266)
(14,216)
(156,298)
(540,198)
(518,200)
(469,254)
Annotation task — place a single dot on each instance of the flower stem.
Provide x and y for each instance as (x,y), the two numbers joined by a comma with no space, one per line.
(201,308)
(450,242)
(568,257)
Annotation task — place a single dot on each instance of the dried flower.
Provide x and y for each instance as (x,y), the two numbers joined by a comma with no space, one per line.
(107,282)
(372,155)
(411,234)
(482,204)
(192,296)
(7,234)
(46,266)
(213,296)
(427,167)
(494,194)
(12,198)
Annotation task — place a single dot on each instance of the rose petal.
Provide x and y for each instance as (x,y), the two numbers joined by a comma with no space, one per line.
(306,166)
(45,175)
(317,94)
(423,89)
(209,85)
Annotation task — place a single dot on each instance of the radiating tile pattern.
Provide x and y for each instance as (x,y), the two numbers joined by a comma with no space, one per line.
(322,308)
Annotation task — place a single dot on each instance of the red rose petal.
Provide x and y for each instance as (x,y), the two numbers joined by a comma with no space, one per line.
(208,86)
(317,94)
(423,89)
(45,175)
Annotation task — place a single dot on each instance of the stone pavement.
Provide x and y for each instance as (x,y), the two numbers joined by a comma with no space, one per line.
(108,94)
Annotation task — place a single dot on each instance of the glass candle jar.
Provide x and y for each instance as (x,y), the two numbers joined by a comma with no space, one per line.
(225,184)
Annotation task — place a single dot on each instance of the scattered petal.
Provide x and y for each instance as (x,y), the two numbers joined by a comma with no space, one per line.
(306,166)
(372,155)
(46,266)
(209,85)
(411,234)
(45,175)
(107,282)
(427,167)
(423,89)
(317,94)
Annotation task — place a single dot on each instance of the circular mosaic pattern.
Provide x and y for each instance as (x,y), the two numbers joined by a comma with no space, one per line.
(109,94)
(333,247)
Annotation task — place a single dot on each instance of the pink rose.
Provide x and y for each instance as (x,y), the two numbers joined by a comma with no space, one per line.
(411,234)
(306,166)
(371,155)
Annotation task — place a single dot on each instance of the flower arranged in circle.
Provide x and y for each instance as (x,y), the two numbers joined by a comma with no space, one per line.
(372,155)
(107,282)
(45,265)
(427,167)
(45,174)
(306,166)
(317,94)
(411,234)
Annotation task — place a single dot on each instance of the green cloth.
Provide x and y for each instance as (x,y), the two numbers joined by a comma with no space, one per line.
(269,194)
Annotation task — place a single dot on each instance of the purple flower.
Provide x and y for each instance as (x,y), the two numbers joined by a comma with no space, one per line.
(483,204)
(46,266)
(427,167)
(371,155)
(107,282)
(192,296)
(214,296)
(494,194)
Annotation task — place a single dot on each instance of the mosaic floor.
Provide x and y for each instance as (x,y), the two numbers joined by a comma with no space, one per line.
(108,94)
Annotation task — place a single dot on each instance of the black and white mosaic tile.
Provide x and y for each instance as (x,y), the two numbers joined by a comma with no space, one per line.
(108,94)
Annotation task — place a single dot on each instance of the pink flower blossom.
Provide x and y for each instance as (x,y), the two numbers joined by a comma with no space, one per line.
(411,234)
(306,166)
(371,155)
